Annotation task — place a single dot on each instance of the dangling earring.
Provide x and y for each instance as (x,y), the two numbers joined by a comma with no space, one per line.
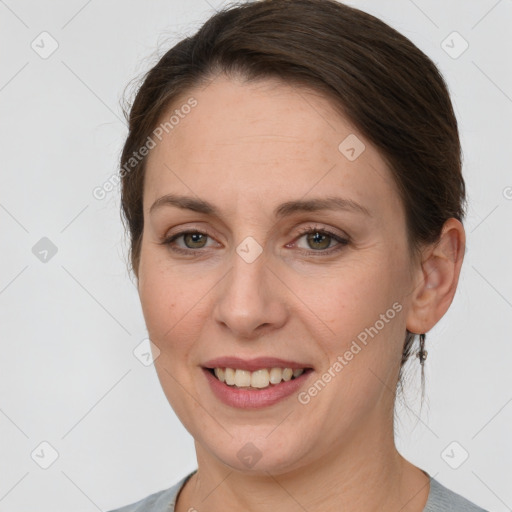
(422,353)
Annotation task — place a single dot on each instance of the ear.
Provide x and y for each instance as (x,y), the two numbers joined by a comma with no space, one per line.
(438,276)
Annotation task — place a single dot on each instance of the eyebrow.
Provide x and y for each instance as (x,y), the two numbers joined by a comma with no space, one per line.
(283,210)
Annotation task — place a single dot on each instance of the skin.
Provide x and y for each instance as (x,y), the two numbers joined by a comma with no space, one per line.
(246,148)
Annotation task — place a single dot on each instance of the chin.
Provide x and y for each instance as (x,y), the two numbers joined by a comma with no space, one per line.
(261,454)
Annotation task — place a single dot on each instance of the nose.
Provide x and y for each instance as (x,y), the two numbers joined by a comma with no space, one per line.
(250,301)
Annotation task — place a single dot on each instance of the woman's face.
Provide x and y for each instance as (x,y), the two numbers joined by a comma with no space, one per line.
(253,285)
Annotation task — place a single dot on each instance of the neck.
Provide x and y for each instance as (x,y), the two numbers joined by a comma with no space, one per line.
(366,474)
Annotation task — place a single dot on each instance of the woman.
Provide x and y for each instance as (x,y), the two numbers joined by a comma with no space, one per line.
(292,187)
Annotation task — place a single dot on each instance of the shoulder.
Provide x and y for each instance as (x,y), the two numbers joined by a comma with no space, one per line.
(161,501)
(441,499)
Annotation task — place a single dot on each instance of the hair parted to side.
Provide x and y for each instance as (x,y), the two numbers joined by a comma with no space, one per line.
(374,76)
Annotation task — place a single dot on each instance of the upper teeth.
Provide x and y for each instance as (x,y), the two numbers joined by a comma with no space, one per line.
(258,379)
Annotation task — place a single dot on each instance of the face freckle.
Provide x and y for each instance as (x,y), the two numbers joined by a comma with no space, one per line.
(247,149)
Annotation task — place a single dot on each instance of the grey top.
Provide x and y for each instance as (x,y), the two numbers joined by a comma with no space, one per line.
(440,499)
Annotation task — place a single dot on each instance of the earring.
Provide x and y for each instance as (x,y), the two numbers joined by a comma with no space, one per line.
(422,353)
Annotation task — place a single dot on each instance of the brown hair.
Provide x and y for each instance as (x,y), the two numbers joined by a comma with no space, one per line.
(378,79)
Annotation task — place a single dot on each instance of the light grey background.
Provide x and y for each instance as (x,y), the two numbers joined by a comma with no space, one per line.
(69,326)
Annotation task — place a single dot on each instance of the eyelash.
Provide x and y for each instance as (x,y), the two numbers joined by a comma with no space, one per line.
(342,242)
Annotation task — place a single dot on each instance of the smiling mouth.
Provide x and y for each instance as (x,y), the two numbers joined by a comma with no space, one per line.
(259,379)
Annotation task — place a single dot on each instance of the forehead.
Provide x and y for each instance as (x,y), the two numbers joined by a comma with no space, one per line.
(266,140)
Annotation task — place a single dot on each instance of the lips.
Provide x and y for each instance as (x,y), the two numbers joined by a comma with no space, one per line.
(254,364)
(255,383)
(252,398)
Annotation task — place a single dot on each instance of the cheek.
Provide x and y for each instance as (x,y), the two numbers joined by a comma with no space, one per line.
(174,300)
(362,308)
(361,303)
(158,306)
(165,297)
(167,301)
(351,297)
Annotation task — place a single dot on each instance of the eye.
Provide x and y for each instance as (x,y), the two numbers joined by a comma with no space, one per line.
(320,240)
(193,239)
